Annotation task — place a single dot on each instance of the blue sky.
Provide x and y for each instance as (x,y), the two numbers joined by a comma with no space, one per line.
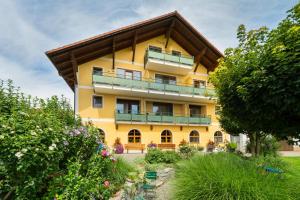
(28,28)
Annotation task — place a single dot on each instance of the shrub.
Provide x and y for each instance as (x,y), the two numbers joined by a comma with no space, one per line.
(44,147)
(170,157)
(154,156)
(186,151)
(268,146)
(231,146)
(103,177)
(158,156)
(118,147)
(225,176)
(200,148)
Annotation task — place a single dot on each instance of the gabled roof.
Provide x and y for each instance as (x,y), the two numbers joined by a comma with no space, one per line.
(66,58)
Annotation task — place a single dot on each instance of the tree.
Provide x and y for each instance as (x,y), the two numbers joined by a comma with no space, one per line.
(258,82)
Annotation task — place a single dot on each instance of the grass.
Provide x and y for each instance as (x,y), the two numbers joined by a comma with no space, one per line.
(229,177)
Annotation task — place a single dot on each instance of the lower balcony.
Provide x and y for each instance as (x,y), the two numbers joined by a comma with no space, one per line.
(141,88)
(151,118)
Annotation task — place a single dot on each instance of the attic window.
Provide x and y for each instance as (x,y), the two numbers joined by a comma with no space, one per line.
(154,48)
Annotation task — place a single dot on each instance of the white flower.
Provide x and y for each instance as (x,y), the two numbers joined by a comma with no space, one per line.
(19,154)
(52,147)
(24,150)
(66,143)
(12,131)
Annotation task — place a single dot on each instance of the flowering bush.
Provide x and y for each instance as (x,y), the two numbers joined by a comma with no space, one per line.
(41,142)
(102,177)
(118,147)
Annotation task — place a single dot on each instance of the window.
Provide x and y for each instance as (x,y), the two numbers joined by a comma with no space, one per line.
(162,108)
(195,111)
(134,136)
(101,135)
(199,84)
(166,136)
(154,48)
(218,137)
(165,79)
(97,101)
(128,106)
(176,53)
(194,137)
(97,71)
(128,74)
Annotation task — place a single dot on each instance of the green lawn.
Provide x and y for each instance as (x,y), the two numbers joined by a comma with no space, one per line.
(293,174)
(294,163)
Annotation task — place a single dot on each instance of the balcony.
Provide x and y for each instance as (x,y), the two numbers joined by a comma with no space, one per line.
(143,88)
(151,118)
(168,63)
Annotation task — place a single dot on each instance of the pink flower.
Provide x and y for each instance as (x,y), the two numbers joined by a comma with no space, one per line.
(104,153)
(106,184)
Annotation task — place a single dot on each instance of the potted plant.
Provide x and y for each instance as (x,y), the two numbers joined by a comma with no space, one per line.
(210,146)
(118,147)
(152,145)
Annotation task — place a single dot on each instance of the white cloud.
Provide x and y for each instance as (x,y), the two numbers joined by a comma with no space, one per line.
(33,82)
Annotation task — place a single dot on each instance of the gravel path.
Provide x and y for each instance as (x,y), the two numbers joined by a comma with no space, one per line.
(164,192)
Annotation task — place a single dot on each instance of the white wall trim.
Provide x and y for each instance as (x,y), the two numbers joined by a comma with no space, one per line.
(98,119)
(85,87)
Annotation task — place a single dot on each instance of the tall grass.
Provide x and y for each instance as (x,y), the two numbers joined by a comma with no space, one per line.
(227,177)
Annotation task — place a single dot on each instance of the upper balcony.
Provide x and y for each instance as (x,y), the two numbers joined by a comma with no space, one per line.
(168,63)
(111,84)
(152,118)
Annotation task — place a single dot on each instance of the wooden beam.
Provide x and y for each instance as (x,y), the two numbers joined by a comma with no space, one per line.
(75,66)
(199,57)
(113,52)
(168,34)
(134,45)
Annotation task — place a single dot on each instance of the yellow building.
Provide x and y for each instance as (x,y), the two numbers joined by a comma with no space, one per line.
(143,83)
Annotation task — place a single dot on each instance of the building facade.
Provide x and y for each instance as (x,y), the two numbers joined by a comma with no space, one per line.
(147,82)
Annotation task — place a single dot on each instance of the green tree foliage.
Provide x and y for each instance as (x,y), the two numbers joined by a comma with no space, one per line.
(258,82)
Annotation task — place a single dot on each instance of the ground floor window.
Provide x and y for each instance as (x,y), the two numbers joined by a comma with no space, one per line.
(101,135)
(194,137)
(134,136)
(166,136)
(218,137)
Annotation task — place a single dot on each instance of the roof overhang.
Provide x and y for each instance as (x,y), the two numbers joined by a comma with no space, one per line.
(68,57)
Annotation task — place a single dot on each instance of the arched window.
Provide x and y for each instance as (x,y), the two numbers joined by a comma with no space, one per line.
(134,136)
(218,137)
(101,135)
(166,136)
(194,137)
